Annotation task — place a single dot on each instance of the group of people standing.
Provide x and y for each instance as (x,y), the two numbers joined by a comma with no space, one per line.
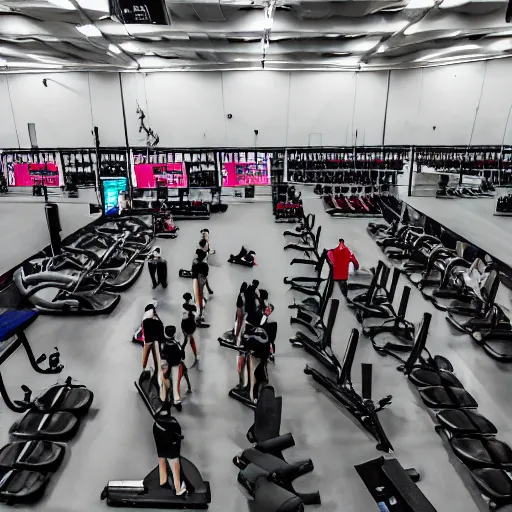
(168,355)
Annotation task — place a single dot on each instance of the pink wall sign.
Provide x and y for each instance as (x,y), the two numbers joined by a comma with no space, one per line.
(25,175)
(150,175)
(242,174)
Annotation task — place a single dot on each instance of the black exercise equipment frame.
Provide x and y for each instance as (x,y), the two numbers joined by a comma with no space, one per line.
(362,408)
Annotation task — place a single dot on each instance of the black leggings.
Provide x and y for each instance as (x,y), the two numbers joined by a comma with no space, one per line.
(343,286)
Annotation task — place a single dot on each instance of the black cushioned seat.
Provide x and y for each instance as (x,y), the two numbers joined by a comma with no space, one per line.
(486,452)
(500,350)
(463,422)
(22,486)
(265,461)
(437,397)
(424,377)
(58,426)
(494,483)
(76,400)
(32,455)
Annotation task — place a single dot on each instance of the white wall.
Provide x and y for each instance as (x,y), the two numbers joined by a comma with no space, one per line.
(466,103)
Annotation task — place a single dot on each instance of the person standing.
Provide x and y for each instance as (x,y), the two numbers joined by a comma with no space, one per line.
(341,257)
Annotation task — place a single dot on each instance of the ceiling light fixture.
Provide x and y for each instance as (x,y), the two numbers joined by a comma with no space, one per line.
(502,45)
(333,35)
(130,47)
(114,49)
(3,63)
(30,65)
(94,5)
(150,54)
(382,48)
(459,57)
(63,4)
(362,46)
(449,50)
(453,34)
(88,30)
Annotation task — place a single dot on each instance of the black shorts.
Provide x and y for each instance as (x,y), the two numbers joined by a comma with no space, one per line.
(168,444)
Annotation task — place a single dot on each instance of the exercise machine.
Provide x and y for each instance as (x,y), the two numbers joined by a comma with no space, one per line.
(361,407)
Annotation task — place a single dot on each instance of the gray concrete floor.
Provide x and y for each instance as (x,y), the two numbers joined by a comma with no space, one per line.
(115,440)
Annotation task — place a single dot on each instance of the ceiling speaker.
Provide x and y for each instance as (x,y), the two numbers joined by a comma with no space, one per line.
(139,11)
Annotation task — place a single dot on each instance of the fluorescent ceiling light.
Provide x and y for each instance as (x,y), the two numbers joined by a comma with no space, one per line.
(89,30)
(502,45)
(3,63)
(268,23)
(459,57)
(333,35)
(363,46)
(114,49)
(382,48)
(449,50)
(94,5)
(63,4)
(29,65)
(130,47)
(150,54)
(453,34)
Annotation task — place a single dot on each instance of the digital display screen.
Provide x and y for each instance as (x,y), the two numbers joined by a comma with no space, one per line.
(245,169)
(172,175)
(111,188)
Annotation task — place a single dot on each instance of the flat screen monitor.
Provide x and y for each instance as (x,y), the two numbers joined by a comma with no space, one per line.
(245,171)
(172,175)
(111,189)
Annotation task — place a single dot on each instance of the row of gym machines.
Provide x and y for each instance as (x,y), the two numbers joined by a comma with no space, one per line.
(38,439)
(392,487)
(455,277)
(264,472)
(286,203)
(465,287)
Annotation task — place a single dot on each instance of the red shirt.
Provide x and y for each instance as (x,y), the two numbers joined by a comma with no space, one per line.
(341,257)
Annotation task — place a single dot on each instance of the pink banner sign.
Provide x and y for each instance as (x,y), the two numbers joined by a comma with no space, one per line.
(243,174)
(26,175)
(151,175)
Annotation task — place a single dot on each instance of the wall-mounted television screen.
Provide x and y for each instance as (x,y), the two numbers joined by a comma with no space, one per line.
(110,189)
(246,168)
(172,175)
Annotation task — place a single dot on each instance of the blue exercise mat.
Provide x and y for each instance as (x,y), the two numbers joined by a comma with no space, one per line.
(11,320)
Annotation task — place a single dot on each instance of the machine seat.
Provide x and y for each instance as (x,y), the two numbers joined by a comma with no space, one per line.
(58,426)
(22,486)
(72,399)
(486,452)
(494,483)
(32,455)
(465,423)
(437,397)
(424,377)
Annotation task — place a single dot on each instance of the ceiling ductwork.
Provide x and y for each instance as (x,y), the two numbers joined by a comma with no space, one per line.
(210,35)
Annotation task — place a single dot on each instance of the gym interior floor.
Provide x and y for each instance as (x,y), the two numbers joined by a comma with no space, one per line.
(115,439)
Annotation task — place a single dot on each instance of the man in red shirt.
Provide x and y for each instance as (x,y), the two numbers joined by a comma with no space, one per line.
(341,258)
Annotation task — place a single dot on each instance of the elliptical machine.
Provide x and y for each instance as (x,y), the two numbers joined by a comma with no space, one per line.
(257,347)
